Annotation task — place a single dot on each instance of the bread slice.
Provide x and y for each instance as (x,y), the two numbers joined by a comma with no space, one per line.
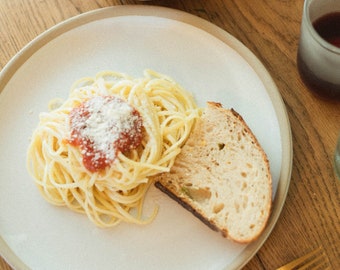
(222,176)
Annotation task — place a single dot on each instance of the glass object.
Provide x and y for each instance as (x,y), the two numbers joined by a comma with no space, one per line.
(337,158)
(318,55)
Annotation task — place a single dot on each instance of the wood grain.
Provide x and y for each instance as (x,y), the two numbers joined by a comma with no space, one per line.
(270,29)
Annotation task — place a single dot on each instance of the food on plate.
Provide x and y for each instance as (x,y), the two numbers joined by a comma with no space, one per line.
(222,175)
(96,151)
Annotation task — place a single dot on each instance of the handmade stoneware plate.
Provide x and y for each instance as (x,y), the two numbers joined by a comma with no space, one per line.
(205,60)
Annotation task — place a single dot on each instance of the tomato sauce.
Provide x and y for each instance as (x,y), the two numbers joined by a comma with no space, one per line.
(102,127)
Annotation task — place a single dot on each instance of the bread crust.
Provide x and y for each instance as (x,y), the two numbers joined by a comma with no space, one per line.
(185,203)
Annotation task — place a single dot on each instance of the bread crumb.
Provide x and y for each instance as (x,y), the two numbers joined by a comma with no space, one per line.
(218,208)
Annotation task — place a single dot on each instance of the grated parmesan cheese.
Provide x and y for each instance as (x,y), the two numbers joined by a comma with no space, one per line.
(109,124)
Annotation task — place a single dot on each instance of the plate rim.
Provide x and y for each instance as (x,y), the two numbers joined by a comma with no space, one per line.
(169,13)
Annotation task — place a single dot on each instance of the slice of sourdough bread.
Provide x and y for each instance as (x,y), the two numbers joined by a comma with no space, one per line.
(222,176)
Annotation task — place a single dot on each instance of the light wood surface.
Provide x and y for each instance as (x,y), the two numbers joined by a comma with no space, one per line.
(270,29)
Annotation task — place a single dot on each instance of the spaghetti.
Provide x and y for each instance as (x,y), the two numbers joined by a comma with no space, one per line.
(113,188)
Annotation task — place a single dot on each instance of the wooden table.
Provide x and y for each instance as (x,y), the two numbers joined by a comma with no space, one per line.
(270,29)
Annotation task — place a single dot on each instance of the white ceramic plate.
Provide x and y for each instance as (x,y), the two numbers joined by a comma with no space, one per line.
(203,58)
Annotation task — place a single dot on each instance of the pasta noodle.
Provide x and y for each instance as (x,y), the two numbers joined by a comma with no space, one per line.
(116,192)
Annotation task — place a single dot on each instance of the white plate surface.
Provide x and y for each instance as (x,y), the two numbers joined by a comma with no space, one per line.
(204,59)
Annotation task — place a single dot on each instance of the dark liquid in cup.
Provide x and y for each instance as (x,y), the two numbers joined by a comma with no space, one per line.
(328,27)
